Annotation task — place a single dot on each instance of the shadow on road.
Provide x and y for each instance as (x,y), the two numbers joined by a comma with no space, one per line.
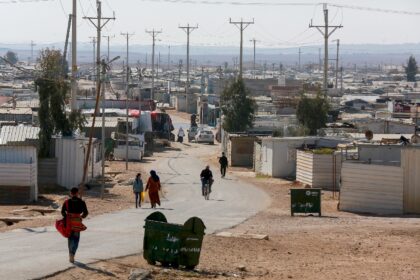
(96,270)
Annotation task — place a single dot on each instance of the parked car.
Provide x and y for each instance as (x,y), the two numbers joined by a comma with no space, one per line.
(205,136)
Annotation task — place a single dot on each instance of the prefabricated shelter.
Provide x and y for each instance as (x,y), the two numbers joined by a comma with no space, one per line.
(371,188)
(240,150)
(18,173)
(388,187)
(374,153)
(319,170)
(70,153)
(276,157)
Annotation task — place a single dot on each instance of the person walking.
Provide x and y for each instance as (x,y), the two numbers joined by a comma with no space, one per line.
(73,211)
(223,164)
(181,135)
(153,185)
(138,189)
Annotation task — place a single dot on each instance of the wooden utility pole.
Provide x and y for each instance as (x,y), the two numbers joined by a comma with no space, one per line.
(336,63)
(127,88)
(188,30)
(74,57)
(242,25)
(99,24)
(326,33)
(108,37)
(254,41)
(154,34)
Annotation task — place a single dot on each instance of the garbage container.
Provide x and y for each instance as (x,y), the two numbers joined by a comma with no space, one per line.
(305,201)
(172,244)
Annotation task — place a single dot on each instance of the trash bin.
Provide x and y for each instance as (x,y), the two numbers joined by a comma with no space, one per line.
(172,244)
(305,201)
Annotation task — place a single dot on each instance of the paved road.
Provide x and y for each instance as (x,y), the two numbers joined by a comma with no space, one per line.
(33,253)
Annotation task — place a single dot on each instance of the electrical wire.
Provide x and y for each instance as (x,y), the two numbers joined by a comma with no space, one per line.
(62,8)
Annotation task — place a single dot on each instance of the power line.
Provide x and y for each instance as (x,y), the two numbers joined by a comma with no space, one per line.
(236,3)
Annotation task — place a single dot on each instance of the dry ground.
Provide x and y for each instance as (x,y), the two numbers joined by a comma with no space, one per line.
(118,191)
(117,196)
(338,245)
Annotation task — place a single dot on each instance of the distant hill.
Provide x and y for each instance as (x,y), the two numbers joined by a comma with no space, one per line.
(370,54)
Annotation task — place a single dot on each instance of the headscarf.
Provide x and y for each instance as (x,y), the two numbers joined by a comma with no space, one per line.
(154,176)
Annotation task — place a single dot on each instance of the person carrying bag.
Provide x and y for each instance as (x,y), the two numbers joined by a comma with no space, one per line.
(74,210)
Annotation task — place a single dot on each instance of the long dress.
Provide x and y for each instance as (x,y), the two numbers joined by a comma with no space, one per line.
(153,188)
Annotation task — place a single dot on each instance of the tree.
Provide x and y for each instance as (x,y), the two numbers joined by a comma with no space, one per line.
(411,69)
(53,89)
(11,57)
(237,107)
(313,113)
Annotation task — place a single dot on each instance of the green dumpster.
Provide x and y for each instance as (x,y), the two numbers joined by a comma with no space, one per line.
(305,201)
(172,244)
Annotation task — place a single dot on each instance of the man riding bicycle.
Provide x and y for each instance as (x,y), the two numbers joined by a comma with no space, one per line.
(206,178)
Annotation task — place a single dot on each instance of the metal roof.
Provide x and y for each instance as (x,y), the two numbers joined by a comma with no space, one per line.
(16,134)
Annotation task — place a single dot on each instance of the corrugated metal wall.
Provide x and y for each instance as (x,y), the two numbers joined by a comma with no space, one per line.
(18,168)
(318,171)
(410,162)
(371,188)
(304,167)
(17,154)
(257,157)
(70,154)
(70,158)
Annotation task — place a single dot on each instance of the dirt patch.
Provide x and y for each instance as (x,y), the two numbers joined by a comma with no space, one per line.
(118,195)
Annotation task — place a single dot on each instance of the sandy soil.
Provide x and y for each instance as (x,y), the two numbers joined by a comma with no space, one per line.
(338,245)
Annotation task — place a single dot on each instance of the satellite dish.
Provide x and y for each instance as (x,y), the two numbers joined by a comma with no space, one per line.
(369,135)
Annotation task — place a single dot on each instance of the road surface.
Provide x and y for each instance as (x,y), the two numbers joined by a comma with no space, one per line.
(37,252)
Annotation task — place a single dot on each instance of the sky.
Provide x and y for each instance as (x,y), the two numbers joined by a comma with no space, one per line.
(275,25)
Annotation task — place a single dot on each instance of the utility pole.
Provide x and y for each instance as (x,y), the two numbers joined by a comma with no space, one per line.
(188,29)
(127,88)
(108,37)
(326,33)
(336,63)
(300,53)
(319,60)
(158,66)
(94,58)
(154,34)
(32,51)
(74,57)
(169,58)
(99,24)
(254,41)
(242,25)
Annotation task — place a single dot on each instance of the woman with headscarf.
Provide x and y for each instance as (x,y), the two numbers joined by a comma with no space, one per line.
(153,186)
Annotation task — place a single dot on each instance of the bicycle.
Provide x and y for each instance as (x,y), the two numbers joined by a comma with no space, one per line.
(206,190)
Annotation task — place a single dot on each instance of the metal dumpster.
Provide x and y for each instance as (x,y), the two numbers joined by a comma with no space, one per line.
(305,201)
(172,244)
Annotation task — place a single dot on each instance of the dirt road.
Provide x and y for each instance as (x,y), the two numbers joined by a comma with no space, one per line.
(338,245)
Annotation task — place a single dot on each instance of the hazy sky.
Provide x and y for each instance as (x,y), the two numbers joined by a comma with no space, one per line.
(275,26)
